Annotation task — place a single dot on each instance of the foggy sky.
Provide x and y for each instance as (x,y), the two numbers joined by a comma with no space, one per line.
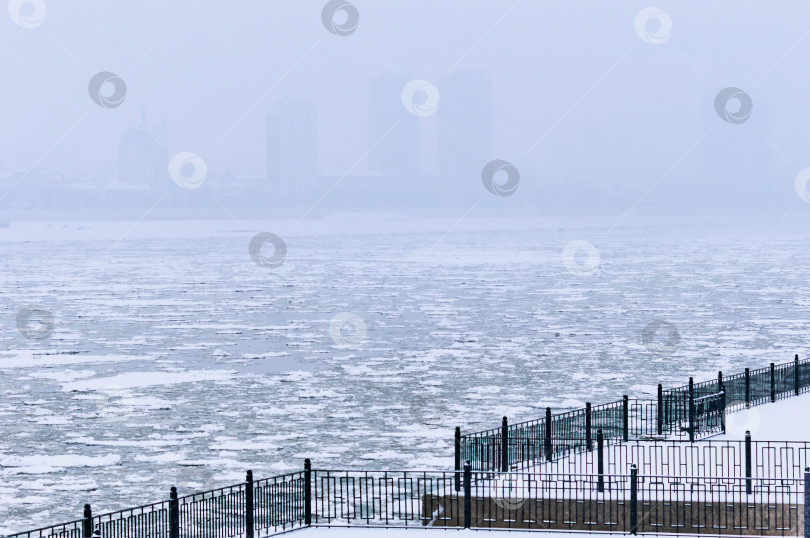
(577,95)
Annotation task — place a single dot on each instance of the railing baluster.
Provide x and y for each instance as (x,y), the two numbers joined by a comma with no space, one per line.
(625,418)
(174,514)
(458,459)
(747,387)
(87,522)
(748,489)
(467,495)
(588,440)
(633,500)
(505,445)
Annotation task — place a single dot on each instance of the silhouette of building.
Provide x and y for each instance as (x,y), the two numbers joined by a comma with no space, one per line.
(143,157)
(465,127)
(292,145)
(393,132)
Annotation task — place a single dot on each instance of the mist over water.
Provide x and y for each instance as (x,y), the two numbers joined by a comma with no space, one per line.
(238,236)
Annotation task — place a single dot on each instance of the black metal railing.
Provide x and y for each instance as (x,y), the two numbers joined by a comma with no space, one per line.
(690,412)
(734,458)
(287,502)
(627,502)
(252,508)
(621,503)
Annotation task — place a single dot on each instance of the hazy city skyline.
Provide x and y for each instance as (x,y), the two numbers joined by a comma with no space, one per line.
(590,113)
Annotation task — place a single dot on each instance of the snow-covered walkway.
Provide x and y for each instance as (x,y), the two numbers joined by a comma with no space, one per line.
(784,420)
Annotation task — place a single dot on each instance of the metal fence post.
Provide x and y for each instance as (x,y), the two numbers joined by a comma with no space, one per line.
(796,375)
(467,495)
(723,409)
(773,383)
(307,492)
(249,504)
(549,447)
(747,388)
(660,413)
(748,485)
(600,461)
(87,522)
(588,440)
(458,458)
(504,445)
(807,502)
(174,514)
(691,410)
(720,381)
(625,418)
(633,499)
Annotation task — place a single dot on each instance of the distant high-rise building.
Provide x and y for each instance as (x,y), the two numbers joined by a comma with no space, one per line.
(143,157)
(393,132)
(292,145)
(465,126)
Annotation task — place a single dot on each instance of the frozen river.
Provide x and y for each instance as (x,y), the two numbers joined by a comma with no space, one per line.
(176,359)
